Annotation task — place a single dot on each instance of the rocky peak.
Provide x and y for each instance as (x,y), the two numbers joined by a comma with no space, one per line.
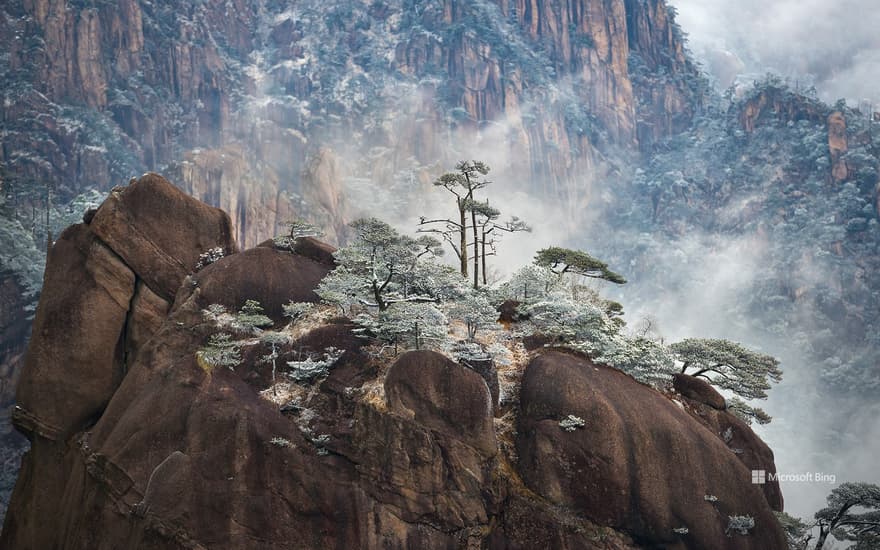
(136,438)
(780,102)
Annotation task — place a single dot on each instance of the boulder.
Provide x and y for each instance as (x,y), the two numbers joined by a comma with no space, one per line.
(314,249)
(159,231)
(269,276)
(698,390)
(309,247)
(639,463)
(444,396)
(184,458)
(75,358)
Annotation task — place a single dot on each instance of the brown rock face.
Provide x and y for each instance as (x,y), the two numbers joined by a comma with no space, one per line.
(745,444)
(160,231)
(443,396)
(79,324)
(698,390)
(147,313)
(182,458)
(312,248)
(837,146)
(787,106)
(638,464)
(271,277)
(666,105)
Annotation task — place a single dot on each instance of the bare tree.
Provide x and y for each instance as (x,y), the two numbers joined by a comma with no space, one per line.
(468,178)
(482,224)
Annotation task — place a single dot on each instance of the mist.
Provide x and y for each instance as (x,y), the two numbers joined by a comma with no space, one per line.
(832,45)
(697,289)
(694,285)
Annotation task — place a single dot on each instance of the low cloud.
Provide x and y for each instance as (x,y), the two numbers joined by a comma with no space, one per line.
(833,45)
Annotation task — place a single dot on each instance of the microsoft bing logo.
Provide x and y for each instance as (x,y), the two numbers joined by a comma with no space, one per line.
(761,477)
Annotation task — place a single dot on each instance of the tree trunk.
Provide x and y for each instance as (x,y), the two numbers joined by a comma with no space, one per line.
(476,250)
(820,542)
(463,235)
(483,244)
(274,358)
(378,296)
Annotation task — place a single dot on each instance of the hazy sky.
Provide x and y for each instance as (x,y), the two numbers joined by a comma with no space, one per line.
(835,43)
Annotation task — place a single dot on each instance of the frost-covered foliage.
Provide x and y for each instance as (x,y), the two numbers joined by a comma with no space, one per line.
(251,318)
(577,262)
(381,268)
(281,442)
(643,358)
(797,533)
(811,265)
(740,524)
(22,256)
(407,325)
(747,413)
(275,340)
(585,326)
(296,229)
(217,314)
(571,423)
(474,310)
(407,300)
(25,224)
(221,351)
(320,442)
(209,257)
(297,310)
(730,366)
(530,283)
(852,514)
(311,368)
(395,279)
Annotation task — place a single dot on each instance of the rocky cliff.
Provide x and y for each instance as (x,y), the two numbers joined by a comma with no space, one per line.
(242,100)
(137,444)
